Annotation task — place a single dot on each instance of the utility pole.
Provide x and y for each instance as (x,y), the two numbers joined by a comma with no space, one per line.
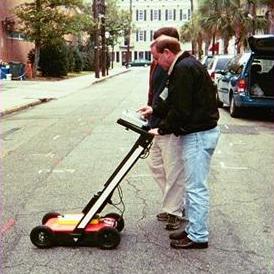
(128,35)
(95,8)
(103,37)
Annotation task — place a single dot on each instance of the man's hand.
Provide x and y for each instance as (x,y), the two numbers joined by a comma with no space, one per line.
(145,111)
(154,131)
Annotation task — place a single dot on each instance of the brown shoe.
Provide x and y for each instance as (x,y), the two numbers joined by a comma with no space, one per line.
(174,222)
(162,217)
(177,235)
(186,243)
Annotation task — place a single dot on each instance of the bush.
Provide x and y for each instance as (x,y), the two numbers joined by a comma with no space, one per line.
(88,55)
(78,60)
(54,59)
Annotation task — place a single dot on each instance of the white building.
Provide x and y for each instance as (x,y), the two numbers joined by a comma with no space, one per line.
(147,17)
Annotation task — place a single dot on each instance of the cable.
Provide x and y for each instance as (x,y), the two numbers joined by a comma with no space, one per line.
(120,194)
(146,152)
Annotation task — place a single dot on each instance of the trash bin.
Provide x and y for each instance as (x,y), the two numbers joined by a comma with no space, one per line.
(17,70)
(3,72)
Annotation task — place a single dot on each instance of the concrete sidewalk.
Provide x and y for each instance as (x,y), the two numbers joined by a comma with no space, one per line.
(18,95)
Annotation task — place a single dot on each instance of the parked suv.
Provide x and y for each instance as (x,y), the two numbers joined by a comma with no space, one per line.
(248,78)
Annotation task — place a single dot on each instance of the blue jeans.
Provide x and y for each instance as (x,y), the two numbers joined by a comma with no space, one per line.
(196,153)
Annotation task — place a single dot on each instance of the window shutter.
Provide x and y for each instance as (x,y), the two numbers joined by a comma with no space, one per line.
(159,14)
(151,35)
(137,33)
(137,15)
(151,15)
(145,15)
(145,35)
(181,14)
(174,15)
(166,15)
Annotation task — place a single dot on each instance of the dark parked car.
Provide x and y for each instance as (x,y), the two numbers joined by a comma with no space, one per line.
(140,63)
(248,78)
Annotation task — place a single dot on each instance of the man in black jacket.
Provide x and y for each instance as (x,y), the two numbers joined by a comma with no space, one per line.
(188,110)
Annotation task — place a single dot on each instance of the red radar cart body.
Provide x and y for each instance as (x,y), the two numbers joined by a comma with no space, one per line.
(88,228)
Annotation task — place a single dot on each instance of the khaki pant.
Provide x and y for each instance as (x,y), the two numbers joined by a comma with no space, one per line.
(164,155)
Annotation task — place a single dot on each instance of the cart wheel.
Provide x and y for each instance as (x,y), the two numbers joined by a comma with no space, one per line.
(118,218)
(42,236)
(108,238)
(48,216)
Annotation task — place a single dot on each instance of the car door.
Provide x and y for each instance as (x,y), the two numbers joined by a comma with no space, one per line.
(223,86)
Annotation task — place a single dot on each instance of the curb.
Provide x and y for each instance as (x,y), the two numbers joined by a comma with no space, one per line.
(46,100)
(109,76)
(32,104)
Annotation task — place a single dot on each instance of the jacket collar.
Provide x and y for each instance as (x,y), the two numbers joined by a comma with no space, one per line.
(182,54)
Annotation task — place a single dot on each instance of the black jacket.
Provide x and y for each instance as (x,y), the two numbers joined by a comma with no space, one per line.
(191,102)
(158,83)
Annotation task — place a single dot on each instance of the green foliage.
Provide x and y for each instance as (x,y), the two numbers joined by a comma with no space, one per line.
(54,59)
(49,20)
(117,22)
(78,60)
(88,55)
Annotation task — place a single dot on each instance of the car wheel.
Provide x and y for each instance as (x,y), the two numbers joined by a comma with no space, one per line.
(108,238)
(42,236)
(118,218)
(233,109)
(48,216)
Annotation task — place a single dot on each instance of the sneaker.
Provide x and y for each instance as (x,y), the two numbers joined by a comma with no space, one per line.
(162,217)
(174,222)
(186,243)
(178,235)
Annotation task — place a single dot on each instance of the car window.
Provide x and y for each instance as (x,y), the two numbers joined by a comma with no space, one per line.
(221,63)
(266,64)
(210,64)
(235,65)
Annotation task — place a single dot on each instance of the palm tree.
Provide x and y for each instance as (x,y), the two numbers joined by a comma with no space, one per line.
(269,15)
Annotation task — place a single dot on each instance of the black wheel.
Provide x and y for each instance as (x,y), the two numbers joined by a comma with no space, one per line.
(233,109)
(48,216)
(119,219)
(42,236)
(108,238)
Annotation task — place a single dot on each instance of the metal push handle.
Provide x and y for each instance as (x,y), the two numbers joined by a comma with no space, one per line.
(133,127)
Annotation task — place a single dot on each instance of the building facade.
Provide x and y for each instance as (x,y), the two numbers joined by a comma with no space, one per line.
(147,17)
(13,45)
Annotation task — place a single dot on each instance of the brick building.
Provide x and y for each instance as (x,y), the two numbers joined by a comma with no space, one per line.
(13,46)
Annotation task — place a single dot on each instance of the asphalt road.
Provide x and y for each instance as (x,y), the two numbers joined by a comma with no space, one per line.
(57,155)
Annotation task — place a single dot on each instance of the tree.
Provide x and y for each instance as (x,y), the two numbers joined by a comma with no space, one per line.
(269,15)
(117,22)
(48,20)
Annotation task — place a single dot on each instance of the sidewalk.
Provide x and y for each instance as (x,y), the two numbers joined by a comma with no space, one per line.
(18,95)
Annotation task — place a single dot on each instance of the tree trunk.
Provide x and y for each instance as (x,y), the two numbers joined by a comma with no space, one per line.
(37,41)
(112,55)
(226,43)
(36,59)
(213,44)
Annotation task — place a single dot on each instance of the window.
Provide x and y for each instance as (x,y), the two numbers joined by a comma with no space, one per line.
(141,35)
(189,13)
(141,15)
(16,35)
(169,15)
(156,15)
